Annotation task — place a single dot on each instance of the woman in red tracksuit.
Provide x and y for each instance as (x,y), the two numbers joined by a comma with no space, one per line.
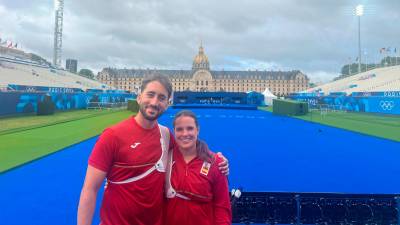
(197,192)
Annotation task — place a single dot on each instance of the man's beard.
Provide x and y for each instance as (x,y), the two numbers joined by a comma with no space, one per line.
(142,109)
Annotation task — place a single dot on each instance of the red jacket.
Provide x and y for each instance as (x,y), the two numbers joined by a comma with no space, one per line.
(205,189)
(124,151)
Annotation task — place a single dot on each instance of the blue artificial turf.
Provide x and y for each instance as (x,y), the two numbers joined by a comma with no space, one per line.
(282,154)
(46,191)
(266,153)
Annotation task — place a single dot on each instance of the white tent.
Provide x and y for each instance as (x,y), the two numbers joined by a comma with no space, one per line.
(268,97)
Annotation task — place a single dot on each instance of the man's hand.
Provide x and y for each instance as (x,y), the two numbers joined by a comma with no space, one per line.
(224,165)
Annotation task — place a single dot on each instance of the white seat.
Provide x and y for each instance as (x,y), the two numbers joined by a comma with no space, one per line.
(376,80)
(20,74)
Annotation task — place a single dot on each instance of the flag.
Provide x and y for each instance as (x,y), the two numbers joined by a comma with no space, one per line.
(10,45)
(388,49)
(395,50)
(16,45)
(205,168)
(382,50)
(356,59)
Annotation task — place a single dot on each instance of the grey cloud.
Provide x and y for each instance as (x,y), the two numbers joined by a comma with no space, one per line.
(314,36)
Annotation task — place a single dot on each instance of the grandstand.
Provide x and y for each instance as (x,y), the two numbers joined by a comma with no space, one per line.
(23,72)
(376,80)
(24,83)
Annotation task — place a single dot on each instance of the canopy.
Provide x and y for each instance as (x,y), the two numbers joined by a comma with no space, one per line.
(268,96)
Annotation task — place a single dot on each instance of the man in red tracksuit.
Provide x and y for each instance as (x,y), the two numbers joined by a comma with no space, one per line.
(135,153)
(197,192)
(131,157)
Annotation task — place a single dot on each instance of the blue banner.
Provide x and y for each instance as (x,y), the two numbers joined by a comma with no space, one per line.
(255,98)
(380,94)
(188,97)
(23,102)
(24,88)
(379,102)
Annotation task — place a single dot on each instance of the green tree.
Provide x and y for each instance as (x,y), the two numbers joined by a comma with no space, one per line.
(312,85)
(86,73)
(38,59)
(390,61)
(351,69)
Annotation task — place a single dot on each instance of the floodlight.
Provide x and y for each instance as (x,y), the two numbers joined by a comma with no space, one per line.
(359,10)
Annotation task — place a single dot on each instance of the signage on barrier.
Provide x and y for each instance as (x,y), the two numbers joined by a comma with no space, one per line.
(387,105)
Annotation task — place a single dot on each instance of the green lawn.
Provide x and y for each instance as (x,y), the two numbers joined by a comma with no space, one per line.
(18,123)
(19,147)
(380,125)
(385,126)
(23,139)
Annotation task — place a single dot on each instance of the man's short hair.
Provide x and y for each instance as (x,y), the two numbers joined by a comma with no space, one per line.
(164,81)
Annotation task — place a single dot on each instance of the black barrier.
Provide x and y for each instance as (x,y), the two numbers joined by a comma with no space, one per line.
(289,107)
(316,208)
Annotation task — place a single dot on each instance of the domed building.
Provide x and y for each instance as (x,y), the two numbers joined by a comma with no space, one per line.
(200,61)
(201,78)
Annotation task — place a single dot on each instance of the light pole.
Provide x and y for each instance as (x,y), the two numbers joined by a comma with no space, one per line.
(359,13)
(365,61)
(58,8)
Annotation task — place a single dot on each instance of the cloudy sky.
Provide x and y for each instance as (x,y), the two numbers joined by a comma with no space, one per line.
(314,36)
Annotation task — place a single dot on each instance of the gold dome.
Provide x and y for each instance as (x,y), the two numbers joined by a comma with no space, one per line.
(201,60)
(201,57)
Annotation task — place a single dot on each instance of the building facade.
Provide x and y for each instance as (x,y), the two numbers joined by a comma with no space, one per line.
(71,65)
(201,78)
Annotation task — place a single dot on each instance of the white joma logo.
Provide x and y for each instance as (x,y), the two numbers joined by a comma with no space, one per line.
(135,145)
